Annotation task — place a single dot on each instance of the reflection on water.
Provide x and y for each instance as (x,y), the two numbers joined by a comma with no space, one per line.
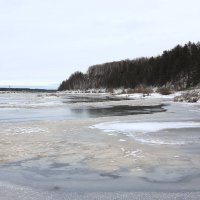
(117,111)
(85,99)
(59,113)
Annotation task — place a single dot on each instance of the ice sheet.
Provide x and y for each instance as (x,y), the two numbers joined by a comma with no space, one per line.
(144,126)
(143,131)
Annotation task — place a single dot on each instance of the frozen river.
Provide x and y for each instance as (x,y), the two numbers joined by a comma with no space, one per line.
(51,144)
(32,106)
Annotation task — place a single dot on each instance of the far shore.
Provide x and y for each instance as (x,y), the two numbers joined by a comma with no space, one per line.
(11,90)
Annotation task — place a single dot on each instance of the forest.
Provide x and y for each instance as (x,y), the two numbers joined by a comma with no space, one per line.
(178,68)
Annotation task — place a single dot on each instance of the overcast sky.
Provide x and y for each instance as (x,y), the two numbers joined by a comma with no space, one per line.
(43,41)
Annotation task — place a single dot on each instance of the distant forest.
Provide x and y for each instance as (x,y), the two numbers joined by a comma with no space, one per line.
(24,90)
(178,68)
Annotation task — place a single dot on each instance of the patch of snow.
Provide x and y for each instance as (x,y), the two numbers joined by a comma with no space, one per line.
(157,141)
(25,130)
(137,153)
(123,149)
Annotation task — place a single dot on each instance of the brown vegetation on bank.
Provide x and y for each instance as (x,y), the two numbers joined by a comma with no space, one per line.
(189,96)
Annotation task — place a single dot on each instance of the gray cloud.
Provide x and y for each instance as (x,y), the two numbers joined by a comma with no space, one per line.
(47,40)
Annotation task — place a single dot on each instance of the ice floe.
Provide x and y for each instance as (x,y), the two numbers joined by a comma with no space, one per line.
(144,126)
(141,131)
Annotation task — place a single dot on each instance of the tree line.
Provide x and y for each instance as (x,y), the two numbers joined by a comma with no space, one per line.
(178,68)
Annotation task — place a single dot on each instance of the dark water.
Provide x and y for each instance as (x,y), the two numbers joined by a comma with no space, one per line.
(84,99)
(117,111)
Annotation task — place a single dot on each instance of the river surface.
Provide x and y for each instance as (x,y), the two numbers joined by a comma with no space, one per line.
(89,143)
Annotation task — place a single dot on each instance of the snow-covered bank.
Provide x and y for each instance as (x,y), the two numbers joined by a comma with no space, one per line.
(124,94)
(190,96)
